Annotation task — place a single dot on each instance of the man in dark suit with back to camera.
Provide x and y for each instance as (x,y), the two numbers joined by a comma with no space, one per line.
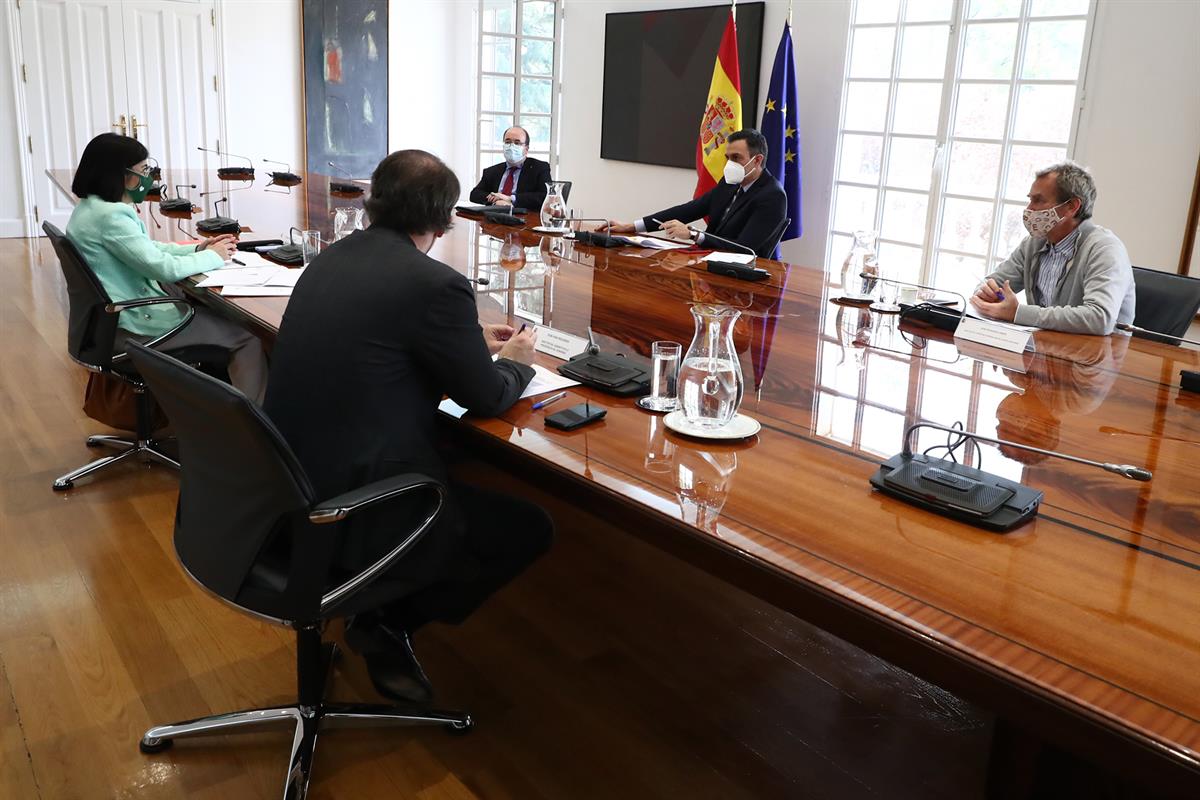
(746,207)
(374,334)
(519,181)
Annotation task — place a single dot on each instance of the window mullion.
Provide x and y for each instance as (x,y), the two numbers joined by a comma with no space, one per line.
(885,151)
(941,149)
(1010,123)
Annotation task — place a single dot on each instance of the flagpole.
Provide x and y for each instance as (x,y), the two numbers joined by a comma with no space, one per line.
(789,13)
(733,10)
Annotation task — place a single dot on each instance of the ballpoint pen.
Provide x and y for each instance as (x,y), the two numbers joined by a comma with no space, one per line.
(239,263)
(549,400)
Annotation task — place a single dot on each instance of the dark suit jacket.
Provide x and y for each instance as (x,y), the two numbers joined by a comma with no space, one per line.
(750,222)
(531,186)
(374,333)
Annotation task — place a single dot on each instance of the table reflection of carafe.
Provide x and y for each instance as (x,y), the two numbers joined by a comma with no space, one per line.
(702,483)
(554,207)
(710,378)
(861,267)
(512,254)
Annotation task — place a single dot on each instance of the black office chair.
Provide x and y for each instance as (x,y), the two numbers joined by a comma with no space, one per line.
(767,248)
(91,335)
(249,530)
(1166,303)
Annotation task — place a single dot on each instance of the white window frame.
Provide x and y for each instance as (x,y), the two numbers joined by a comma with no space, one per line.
(939,173)
(488,153)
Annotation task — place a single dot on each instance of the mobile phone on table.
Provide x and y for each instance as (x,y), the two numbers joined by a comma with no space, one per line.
(575,417)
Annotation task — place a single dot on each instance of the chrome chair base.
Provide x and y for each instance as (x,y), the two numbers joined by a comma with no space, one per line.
(307,722)
(149,450)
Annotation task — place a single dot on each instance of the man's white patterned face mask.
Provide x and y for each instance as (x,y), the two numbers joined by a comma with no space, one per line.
(1039,223)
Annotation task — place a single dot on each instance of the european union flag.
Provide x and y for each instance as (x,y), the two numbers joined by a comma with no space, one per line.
(782,132)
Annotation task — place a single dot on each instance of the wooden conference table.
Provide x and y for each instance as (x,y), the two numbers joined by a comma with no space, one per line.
(1083,625)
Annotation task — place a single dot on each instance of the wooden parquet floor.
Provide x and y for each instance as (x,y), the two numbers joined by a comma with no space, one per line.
(610,670)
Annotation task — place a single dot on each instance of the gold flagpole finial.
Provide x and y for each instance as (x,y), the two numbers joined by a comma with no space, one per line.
(789,13)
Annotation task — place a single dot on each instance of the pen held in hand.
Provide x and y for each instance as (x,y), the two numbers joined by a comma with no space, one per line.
(552,399)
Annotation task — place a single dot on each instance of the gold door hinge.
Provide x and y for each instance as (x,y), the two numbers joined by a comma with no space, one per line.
(36,216)
(212,15)
(30,140)
(24,74)
(214,83)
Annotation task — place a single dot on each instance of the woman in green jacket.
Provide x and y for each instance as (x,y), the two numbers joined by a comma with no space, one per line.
(111,179)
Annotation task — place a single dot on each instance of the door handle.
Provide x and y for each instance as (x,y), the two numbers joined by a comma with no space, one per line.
(134,125)
(120,123)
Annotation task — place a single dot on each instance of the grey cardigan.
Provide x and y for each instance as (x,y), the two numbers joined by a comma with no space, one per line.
(1094,293)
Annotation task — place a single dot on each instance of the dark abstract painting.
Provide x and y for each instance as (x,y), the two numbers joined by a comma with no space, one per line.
(345,86)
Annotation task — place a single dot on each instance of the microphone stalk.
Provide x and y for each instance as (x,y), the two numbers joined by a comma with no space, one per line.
(1125,326)
(1124,470)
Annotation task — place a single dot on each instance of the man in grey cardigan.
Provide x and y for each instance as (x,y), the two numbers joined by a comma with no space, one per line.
(1076,275)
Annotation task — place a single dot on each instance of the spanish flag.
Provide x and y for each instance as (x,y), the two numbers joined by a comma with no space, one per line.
(722,114)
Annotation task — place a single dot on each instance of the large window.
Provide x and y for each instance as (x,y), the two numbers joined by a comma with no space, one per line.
(948,107)
(517,76)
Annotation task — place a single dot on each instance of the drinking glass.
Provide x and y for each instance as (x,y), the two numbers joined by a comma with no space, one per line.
(310,243)
(664,375)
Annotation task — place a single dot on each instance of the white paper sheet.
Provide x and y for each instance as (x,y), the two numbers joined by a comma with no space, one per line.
(452,408)
(256,291)
(248,260)
(284,277)
(545,381)
(655,243)
(238,276)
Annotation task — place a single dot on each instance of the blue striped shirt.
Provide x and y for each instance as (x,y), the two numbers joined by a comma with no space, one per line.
(1052,259)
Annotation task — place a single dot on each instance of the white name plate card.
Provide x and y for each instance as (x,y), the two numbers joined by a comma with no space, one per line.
(993,334)
(559,343)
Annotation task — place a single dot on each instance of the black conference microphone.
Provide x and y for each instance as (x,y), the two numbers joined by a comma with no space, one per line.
(744,272)
(1125,326)
(602,238)
(179,203)
(286,178)
(232,173)
(155,169)
(344,189)
(955,490)
(217,224)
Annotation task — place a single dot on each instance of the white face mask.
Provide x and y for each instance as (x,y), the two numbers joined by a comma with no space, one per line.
(513,153)
(1040,223)
(735,173)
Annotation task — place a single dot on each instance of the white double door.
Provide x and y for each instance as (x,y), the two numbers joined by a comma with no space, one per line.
(143,68)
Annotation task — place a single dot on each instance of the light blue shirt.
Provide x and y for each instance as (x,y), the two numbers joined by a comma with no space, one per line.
(1052,260)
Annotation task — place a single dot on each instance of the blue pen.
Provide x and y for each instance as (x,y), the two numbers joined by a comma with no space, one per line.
(1000,297)
(549,400)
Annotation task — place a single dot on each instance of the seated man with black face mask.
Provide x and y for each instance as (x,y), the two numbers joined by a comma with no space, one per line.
(1076,275)
(375,333)
(745,207)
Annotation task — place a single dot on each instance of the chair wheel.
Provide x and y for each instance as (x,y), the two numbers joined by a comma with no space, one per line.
(155,745)
(461,728)
(62,486)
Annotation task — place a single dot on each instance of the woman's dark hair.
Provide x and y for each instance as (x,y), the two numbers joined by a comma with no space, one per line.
(101,170)
(412,192)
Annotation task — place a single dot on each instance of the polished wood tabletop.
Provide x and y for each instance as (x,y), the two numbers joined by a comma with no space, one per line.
(1087,618)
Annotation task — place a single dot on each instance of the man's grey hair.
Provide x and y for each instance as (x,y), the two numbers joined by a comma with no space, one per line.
(1073,181)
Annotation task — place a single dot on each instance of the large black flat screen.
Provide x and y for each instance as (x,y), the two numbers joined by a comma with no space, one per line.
(657,69)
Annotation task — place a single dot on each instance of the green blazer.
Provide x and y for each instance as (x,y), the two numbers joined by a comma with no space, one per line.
(130,264)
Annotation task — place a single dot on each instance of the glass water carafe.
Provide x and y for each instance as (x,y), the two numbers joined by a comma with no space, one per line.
(554,207)
(346,220)
(861,267)
(710,379)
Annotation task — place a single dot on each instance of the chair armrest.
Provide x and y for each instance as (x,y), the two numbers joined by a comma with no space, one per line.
(338,508)
(117,308)
(342,506)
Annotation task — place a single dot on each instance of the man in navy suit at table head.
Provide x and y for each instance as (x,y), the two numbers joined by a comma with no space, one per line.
(517,181)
